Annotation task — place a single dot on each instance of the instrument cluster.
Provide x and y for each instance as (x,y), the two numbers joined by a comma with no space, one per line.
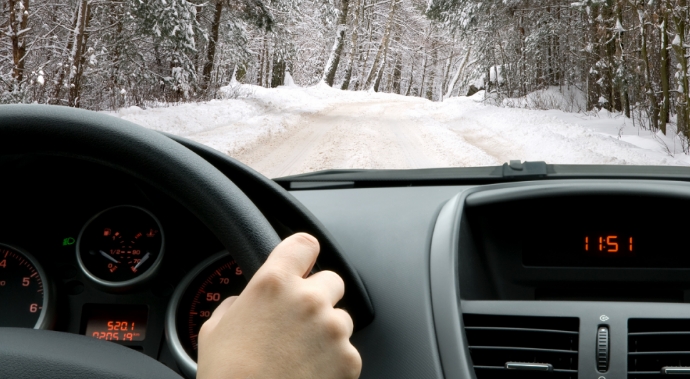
(127,265)
(118,250)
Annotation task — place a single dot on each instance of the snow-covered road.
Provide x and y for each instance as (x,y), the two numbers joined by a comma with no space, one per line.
(351,135)
(288,131)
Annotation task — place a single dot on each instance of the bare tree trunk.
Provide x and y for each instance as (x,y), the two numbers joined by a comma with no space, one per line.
(421,85)
(678,44)
(212,43)
(77,57)
(648,87)
(383,48)
(409,83)
(199,7)
(397,75)
(353,47)
(377,83)
(664,71)
(363,60)
(278,73)
(446,73)
(432,74)
(336,51)
(269,64)
(620,53)
(18,21)
(456,77)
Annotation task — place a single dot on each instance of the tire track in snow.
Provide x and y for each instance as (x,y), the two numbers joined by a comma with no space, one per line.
(279,157)
(415,157)
(350,135)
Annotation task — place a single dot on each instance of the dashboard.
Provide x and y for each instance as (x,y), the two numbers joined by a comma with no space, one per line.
(556,278)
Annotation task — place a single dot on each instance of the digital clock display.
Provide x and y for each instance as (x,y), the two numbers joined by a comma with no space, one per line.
(601,231)
(606,247)
(609,244)
(121,323)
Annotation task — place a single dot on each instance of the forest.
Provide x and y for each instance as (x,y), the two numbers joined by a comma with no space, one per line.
(627,56)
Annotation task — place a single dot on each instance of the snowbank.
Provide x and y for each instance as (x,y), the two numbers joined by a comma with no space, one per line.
(568,99)
(561,137)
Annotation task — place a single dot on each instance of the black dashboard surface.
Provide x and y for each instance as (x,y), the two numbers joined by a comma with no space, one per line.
(411,246)
(387,233)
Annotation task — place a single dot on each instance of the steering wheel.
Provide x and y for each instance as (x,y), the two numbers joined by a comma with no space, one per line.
(155,159)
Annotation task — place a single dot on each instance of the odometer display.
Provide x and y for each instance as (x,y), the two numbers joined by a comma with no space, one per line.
(122,323)
(23,293)
(195,299)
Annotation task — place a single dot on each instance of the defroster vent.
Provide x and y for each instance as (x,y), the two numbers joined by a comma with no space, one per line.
(657,347)
(515,347)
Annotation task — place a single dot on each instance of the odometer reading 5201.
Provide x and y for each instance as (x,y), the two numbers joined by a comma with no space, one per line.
(123,323)
(23,295)
(217,281)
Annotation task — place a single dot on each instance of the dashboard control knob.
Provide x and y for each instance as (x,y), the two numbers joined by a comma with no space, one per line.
(603,349)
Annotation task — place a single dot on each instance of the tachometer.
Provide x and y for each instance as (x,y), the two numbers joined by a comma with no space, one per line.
(193,302)
(120,246)
(24,294)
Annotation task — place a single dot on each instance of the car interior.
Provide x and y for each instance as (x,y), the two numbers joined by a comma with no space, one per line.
(117,242)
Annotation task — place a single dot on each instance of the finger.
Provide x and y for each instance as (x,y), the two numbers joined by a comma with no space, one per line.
(218,314)
(296,255)
(329,283)
(346,319)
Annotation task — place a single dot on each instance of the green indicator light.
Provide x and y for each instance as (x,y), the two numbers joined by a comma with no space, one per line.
(68,241)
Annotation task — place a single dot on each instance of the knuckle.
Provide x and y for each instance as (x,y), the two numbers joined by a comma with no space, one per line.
(335,327)
(312,301)
(352,362)
(271,281)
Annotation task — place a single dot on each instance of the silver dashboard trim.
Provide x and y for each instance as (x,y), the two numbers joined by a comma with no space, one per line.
(127,283)
(186,364)
(47,316)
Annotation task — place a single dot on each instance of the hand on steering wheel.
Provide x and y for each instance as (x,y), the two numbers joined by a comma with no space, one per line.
(283,325)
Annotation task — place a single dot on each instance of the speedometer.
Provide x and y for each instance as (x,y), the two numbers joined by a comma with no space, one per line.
(24,292)
(193,302)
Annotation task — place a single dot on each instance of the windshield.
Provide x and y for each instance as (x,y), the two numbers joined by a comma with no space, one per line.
(296,86)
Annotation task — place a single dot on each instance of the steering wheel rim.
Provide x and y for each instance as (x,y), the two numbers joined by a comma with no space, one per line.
(150,157)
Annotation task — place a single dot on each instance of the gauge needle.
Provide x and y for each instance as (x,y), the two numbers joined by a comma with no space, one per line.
(142,260)
(103,253)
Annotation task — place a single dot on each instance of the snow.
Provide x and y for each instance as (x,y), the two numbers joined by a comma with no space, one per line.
(289,82)
(492,74)
(676,40)
(618,28)
(290,130)
(569,99)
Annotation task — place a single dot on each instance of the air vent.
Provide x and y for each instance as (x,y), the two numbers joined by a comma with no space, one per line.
(533,347)
(658,344)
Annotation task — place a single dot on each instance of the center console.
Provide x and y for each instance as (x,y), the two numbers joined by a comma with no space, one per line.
(563,279)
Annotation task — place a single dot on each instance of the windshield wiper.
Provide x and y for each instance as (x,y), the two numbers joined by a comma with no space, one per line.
(476,175)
